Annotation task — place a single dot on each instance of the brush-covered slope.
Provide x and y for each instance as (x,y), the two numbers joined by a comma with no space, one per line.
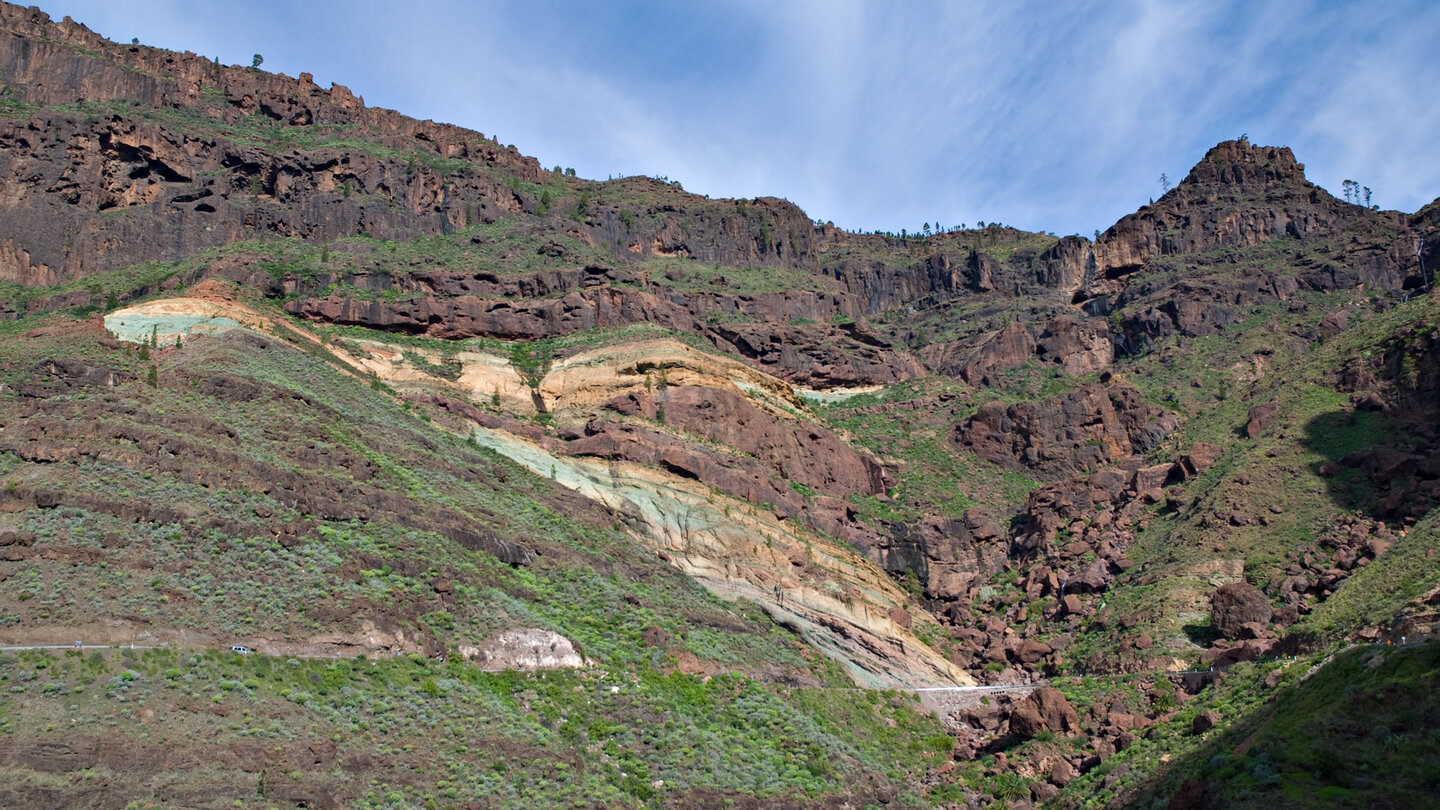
(1357,732)
(322,519)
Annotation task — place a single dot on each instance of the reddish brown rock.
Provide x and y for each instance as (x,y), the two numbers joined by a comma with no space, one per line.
(1266,197)
(1248,650)
(1126,721)
(1234,605)
(1260,418)
(953,552)
(1199,458)
(1043,791)
(1010,347)
(1063,773)
(984,717)
(900,617)
(1045,709)
(1031,651)
(797,450)
(1078,347)
(1075,431)
(1093,578)
(14,538)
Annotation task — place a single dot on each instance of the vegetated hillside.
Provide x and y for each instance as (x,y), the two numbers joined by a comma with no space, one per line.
(321,519)
(1357,732)
(286,371)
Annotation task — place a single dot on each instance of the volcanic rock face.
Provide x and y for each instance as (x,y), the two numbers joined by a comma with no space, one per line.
(948,555)
(1068,433)
(1077,346)
(201,191)
(760,454)
(955,270)
(1012,346)
(827,357)
(549,303)
(1238,196)
(798,451)
(1242,197)
(744,478)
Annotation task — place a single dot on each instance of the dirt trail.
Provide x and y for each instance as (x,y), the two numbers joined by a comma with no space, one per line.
(120,633)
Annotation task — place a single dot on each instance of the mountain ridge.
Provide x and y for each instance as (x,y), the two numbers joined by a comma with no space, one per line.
(306,375)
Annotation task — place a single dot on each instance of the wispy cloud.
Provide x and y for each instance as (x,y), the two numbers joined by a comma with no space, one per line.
(875,115)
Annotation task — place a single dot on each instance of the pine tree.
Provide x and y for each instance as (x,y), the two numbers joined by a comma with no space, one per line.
(153,378)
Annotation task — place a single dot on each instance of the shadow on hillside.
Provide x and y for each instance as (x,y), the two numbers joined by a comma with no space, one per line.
(1354,731)
(1201,635)
(1357,453)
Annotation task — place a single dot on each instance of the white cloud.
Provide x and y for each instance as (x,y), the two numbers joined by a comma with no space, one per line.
(876,114)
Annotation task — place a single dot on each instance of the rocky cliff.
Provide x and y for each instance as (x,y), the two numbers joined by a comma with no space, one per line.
(285,369)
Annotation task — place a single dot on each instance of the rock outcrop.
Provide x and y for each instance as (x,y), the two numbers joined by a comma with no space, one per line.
(1081,430)
(1240,196)
(796,450)
(1046,709)
(526,650)
(1235,605)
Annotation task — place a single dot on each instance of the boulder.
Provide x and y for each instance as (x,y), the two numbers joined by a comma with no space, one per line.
(1125,721)
(1031,651)
(1204,721)
(900,617)
(1046,709)
(1043,791)
(1063,773)
(1234,605)
(1260,418)
(1199,458)
(1094,578)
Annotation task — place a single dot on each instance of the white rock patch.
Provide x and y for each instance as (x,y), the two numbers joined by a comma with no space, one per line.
(526,650)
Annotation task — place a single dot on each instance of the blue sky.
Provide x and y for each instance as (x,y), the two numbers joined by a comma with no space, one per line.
(1048,116)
